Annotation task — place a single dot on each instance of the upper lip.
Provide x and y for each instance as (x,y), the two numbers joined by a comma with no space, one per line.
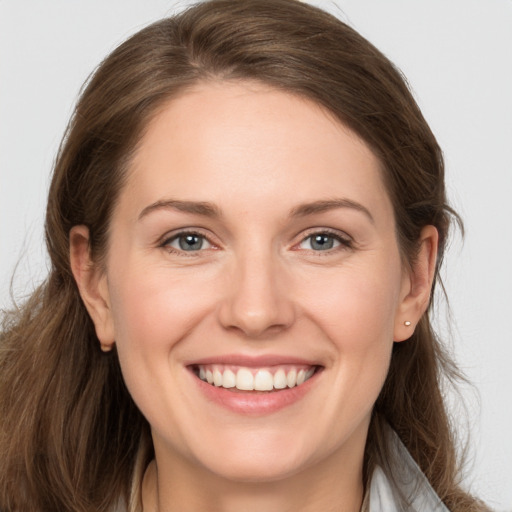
(253,361)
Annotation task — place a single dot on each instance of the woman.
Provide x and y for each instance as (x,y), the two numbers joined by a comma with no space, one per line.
(246,222)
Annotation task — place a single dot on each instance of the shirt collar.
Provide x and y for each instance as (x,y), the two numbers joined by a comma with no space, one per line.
(407,489)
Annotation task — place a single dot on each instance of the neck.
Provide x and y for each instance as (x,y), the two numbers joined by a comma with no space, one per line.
(328,486)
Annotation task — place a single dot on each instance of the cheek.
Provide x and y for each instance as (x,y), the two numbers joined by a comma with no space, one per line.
(153,307)
(354,306)
(152,312)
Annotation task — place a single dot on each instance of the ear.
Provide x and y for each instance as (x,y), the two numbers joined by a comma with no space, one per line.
(417,285)
(92,285)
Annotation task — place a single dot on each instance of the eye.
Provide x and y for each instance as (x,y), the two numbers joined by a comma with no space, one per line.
(323,241)
(188,242)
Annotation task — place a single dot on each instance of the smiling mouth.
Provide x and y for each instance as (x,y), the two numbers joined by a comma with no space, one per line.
(268,379)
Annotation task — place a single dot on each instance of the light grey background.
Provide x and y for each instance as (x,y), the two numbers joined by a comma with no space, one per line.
(457,56)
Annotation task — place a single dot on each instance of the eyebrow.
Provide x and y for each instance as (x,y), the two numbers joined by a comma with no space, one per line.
(207,209)
(329,204)
(196,207)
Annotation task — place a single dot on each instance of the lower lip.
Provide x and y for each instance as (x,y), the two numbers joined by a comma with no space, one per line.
(255,403)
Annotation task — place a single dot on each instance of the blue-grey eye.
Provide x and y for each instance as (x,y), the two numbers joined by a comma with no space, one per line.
(320,242)
(189,242)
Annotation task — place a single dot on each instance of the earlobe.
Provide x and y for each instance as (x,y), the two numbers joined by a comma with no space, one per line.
(417,285)
(92,285)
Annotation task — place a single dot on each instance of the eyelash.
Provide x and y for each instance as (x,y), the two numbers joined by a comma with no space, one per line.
(344,242)
(165,244)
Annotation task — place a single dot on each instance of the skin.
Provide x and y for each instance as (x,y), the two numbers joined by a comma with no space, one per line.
(256,287)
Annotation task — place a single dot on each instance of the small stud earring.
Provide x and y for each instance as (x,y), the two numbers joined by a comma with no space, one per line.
(407,323)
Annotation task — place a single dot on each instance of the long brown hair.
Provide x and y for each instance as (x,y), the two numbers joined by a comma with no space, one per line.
(71,437)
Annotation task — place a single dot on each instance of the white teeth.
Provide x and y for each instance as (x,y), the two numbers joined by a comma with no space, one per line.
(229,380)
(263,381)
(280,379)
(244,380)
(291,378)
(217,377)
(247,379)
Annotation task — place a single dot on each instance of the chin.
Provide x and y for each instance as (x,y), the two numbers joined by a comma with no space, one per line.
(259,458)
(249,470)
(250,455)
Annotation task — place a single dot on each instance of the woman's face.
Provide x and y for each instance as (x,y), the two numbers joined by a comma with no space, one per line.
(253,244)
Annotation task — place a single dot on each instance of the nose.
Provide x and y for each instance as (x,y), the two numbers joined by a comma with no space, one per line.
(257,298)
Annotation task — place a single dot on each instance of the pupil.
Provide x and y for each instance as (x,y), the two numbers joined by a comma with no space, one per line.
(322,242)
(190,242)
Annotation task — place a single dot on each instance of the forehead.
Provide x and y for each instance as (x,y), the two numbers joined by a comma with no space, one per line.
(252,142)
